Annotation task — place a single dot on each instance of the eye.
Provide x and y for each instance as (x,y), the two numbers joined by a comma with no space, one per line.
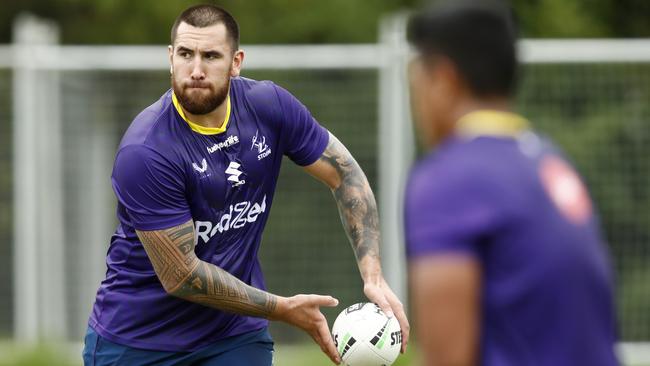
(184,54)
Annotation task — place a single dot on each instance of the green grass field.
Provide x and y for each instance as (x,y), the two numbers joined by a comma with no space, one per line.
(307,354)
(285,355)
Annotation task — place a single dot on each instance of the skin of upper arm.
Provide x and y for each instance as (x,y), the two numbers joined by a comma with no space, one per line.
(445,297)
(325,171)
(171,252)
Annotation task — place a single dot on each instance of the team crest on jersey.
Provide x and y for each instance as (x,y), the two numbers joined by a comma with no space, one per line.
(566,190)
(259,144)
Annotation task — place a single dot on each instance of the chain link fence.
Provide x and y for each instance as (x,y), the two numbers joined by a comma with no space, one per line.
(597,112)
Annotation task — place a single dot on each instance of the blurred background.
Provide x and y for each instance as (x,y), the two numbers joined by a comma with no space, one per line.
(74,73)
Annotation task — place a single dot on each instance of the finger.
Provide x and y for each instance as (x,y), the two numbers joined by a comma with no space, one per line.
(323,347)
(328,343)
(405,327)
(401,319)
(376,295)
(318,341)
(321,300)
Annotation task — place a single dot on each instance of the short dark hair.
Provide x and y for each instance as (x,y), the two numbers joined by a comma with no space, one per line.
(477,36)
(205,15)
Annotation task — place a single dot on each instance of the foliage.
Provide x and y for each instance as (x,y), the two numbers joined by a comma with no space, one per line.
(311,21)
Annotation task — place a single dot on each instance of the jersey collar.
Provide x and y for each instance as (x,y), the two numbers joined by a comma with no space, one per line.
(491,123)
(198,128)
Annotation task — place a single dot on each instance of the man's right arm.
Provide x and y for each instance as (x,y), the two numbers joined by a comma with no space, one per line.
(184,275)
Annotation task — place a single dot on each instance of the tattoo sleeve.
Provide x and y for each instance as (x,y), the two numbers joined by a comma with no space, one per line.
(355,201)
(184,275)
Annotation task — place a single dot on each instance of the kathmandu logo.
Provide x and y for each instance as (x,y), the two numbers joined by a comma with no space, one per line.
(233,173)
(229,141)
(263,150)
(237,216)
(202,168)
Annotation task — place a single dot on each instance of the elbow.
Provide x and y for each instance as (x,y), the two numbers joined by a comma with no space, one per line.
(175,280)
(172,288)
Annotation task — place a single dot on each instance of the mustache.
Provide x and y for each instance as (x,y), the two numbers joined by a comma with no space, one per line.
(197,84)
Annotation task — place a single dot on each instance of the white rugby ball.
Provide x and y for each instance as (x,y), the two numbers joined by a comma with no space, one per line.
(365,336)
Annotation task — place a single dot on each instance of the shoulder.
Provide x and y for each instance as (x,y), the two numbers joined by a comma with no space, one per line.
(146,123)
(259,92)
(456,168)
(265,97)
(148,136)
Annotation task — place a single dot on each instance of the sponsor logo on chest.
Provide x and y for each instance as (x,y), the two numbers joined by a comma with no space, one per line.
(229,141)
(233,172)
(238,215)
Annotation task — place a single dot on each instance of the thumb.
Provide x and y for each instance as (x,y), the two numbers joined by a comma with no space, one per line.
(321,300)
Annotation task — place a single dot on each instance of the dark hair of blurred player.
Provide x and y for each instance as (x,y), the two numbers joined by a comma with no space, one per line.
(467,55)
(506,262)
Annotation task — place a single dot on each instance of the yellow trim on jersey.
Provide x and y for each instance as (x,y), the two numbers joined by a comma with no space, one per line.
(491,123)
(201,129)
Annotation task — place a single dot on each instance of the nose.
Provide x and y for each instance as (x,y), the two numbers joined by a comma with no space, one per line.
(197,70)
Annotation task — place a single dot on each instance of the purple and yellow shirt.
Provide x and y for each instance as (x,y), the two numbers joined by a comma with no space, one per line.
(500,194)
(169,170)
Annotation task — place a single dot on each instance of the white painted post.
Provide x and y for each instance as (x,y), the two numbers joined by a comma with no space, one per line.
(395,149)
(39,285)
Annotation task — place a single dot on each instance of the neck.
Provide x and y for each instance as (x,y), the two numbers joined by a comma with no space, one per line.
(214,119)
(471,105)
(448,128)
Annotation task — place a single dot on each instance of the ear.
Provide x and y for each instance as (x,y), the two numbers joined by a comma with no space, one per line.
(448,78)
(237,62)
(170,48)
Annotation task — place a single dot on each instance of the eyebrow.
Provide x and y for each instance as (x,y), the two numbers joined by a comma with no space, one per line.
(183,49)
(203,52)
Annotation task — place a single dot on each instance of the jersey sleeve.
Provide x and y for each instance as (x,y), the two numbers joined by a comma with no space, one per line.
(448,211)
(150,188)
(304,139)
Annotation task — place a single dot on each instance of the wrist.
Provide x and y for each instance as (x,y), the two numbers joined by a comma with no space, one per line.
(283,306)
(370,269)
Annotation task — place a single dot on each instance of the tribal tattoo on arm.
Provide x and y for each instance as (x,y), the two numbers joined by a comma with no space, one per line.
(184,275)
(355,200)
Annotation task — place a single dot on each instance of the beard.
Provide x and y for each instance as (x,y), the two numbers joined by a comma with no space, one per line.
(199,103)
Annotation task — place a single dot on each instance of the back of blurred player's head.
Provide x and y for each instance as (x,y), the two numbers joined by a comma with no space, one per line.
(465,55)
(477,36)
(202,16)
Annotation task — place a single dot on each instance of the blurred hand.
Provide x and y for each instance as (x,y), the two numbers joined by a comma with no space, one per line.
(303,311)
(380,293)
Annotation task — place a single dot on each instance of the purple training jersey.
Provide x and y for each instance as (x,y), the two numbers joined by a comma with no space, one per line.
(498,193)
(169,170)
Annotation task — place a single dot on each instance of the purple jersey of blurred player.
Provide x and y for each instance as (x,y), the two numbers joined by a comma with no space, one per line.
(500,194)
(167,171)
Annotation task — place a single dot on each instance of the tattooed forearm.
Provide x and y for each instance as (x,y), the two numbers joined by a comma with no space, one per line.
(184,275)
(355,200)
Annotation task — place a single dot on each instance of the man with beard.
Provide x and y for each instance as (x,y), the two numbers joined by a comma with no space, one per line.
(194,176)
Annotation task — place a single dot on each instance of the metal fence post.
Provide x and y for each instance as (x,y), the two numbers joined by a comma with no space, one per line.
(39,285)
(395,148)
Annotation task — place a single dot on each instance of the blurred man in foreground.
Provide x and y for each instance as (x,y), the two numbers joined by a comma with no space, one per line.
(507,264)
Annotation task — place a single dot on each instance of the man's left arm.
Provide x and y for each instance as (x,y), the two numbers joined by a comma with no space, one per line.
(358,209)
